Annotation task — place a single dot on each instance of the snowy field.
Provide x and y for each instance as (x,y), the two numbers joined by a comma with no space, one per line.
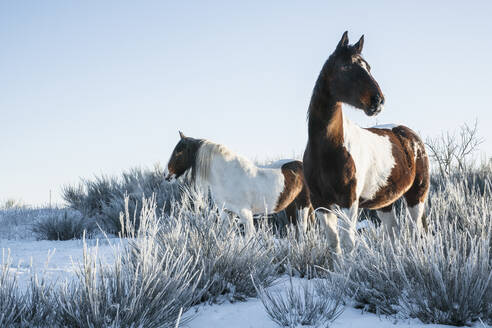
(188,263)
(251,314)
(53,260)
(58,260)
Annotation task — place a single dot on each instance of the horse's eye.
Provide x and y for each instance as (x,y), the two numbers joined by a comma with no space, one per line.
(345,67)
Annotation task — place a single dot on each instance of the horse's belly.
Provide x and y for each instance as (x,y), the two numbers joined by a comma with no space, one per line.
(262,209)
(385,196)
(254,200)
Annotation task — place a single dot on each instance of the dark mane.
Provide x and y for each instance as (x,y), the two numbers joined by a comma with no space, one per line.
(319,89)
(195,147)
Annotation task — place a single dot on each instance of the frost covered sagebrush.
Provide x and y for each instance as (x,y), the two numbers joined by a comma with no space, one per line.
(167,265)
(23,308)
(11,302)
(65,226)
(308,255)
(307,303)
(104,197)
(210,236)
(443,276)
(16,223)
(147,286)
(193,252)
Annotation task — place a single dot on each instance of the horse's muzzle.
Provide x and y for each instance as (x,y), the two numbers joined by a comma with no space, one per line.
(170,177)
(377,105)
(374,111)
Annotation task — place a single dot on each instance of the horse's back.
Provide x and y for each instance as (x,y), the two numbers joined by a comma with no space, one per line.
(407,145)
(411,169)
(293,165)
(277,164)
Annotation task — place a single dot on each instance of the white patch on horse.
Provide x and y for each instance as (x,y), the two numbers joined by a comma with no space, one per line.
(388,219)
(235,182)
(372,155)
(348,223)
(416,213)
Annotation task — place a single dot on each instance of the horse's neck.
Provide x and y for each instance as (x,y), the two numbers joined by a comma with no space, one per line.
(325,116)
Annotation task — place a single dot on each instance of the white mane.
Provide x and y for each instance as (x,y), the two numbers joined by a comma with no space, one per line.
(209,150)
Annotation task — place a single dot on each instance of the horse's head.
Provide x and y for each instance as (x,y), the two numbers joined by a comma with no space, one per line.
(183,157)
(350,80)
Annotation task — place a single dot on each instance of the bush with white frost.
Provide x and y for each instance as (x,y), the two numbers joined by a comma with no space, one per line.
(442,276)
(306,255)
(190,251)
(147,286)
(103,198)
(62,226)
(32,307)
(17,223)
(303,303)
(208,235)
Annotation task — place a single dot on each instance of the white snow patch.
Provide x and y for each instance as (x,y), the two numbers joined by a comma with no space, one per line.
(54,260)
(276,164)
(251,314)
(388,126)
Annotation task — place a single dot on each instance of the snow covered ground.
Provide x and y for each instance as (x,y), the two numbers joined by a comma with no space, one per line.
(251,314)
(56,260)
(53,260)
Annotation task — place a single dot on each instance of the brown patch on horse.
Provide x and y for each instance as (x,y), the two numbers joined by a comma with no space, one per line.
(294,186)
(334,182)
(334,129)
(404,174)
(418,192)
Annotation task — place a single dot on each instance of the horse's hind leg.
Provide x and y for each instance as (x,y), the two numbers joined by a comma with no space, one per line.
(246,218)
(416,207)
(416,213)
(416,196)
(388,220)
(226,219)
(298,218)
(300,210)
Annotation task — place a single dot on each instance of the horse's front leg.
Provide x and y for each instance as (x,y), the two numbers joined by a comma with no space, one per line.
(302,219)
(348,225)
(246,218)
(328,222)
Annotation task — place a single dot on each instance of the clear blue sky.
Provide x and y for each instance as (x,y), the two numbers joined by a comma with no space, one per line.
(97,87)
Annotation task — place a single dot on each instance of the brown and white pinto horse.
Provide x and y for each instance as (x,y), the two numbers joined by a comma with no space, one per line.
(239,185)
(352,167)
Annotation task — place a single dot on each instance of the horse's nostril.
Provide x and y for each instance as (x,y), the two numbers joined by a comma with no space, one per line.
(377,100)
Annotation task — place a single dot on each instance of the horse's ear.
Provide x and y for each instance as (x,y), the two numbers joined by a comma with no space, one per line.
(343,41)
(182,135)
(359,45)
